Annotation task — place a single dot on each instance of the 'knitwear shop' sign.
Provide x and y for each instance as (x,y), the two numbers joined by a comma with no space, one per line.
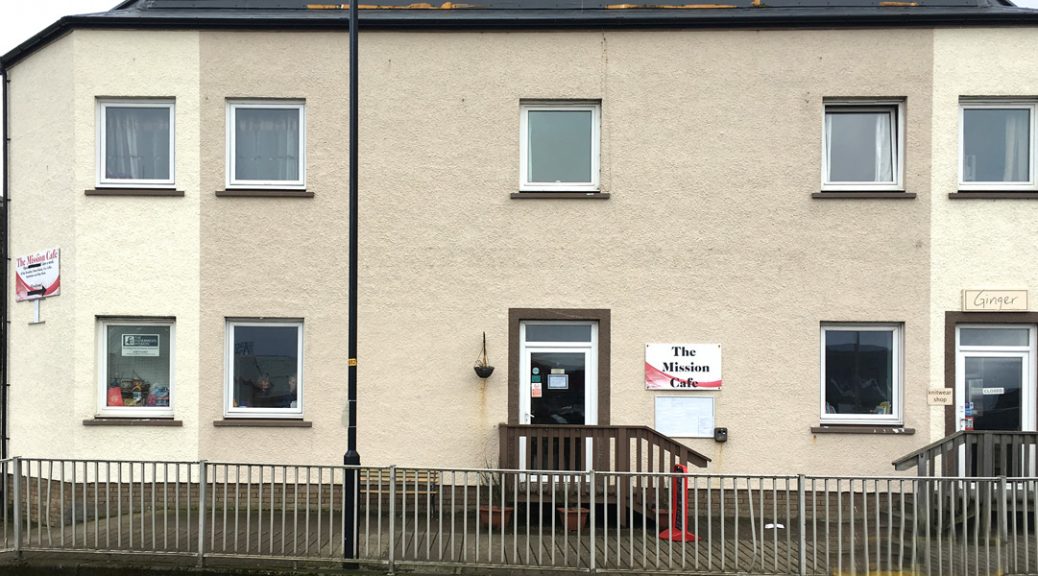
(682,366)
(37,275)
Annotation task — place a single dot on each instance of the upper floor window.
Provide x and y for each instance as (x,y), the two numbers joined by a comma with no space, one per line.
(861,374)
(266,144)
(559,146)
(135,143)
(863,146)
(997,144)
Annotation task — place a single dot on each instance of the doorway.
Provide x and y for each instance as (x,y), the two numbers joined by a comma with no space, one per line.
(994,383)
(558,386)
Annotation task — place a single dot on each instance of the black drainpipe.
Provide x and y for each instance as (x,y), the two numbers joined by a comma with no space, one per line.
(4,261)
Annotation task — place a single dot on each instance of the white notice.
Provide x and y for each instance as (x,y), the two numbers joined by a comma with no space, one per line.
(685,416)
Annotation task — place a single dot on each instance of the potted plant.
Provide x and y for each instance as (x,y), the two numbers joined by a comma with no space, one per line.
(482,367)
(495,511)
(573,518)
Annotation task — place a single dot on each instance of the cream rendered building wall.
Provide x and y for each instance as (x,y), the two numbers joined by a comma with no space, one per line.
(976,243)
(43,402)
(710,149)
(277,257)
(137,256)
(120,256)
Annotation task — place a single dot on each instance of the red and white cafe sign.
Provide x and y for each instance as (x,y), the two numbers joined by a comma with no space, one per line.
(682,366)
(37,275)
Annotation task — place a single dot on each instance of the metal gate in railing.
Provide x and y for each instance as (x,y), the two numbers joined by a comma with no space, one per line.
(574,521)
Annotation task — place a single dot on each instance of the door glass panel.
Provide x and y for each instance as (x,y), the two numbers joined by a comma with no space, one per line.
(993,337)
(558,332)
(557,392)
(994,386)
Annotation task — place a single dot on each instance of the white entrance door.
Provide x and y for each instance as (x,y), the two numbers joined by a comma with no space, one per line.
(994,381)
(558,386)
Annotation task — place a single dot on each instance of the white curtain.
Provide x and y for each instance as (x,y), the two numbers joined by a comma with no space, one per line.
(137,143)
(884,158)
(1016,166)
(266,144)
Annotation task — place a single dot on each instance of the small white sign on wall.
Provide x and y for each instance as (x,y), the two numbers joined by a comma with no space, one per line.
(940,396)
(685,416)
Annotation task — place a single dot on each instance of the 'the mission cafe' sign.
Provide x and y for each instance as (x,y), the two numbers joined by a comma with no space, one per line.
(682,366)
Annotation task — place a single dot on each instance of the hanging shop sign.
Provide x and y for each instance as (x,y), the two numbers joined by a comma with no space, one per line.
(37,275)
(994,300)
(682,366)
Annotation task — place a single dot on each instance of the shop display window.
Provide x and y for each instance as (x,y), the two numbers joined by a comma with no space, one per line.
(136,368)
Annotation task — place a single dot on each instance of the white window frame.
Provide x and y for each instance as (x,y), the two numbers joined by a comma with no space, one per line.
(102,143)
(896,417)
(525,185)
(231,411)
(897,107)
(1032,107)
(232,107)
(103,410)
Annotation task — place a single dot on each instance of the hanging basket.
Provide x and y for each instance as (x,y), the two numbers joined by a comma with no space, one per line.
(482,367)
(483,371)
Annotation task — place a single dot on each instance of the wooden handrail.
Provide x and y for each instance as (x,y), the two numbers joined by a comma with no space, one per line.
(557,447)
(986,453)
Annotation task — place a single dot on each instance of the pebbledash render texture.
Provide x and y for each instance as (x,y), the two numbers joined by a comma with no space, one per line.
(798,191)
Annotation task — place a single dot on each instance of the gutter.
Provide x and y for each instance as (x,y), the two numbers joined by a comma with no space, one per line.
(511,20)
(4,279)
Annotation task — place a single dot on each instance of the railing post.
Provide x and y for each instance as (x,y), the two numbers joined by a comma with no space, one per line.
(17,462)
(593,543)
(392,518)
(201,511)
(502,447)
(1003,522)
(802,521)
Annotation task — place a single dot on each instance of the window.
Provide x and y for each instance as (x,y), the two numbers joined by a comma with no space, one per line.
(136,368)
(861,374)
(135,143)
(863,146)
(264,369)
(997,142)
(266,145)
(559,147)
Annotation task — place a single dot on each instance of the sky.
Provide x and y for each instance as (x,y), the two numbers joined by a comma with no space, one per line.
(20,19)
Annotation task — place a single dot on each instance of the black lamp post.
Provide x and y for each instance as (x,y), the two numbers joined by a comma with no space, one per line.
(352,457)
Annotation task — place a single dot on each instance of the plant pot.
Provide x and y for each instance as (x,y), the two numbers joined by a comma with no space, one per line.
(483,371)
(495,516)
(573,518)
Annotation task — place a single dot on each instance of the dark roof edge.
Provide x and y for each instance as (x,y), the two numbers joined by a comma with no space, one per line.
(394,22)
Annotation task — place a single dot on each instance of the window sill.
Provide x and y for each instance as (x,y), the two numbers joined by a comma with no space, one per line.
(116,421)
(261,423)
(264,193)
(862,429)
(160,192)
(863,195)
(560,195)
(993,195)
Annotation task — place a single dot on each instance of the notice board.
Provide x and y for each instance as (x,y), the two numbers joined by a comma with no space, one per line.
(685,416)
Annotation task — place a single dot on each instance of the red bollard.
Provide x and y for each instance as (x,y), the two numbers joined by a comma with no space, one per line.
(679,510)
